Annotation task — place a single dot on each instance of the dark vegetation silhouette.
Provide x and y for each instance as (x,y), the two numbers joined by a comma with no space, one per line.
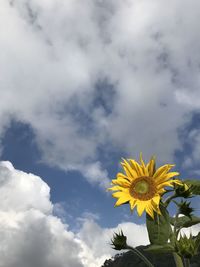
(129,259)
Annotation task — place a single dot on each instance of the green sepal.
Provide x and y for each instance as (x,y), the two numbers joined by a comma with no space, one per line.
(159,228)
(167,248)
(185,221)
(194,186)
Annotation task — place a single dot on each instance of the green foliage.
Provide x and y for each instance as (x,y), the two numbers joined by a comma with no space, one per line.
(160,248)
(159,228)
(185,221)
(187,247)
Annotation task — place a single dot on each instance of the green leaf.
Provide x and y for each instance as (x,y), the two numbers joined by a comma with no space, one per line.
(167,248)
(194,186)
(185,221)
(159,228)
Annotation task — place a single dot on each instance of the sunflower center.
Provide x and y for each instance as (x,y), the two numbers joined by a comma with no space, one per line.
(143,188)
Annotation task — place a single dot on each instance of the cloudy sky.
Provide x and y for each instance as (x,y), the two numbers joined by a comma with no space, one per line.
(82,84)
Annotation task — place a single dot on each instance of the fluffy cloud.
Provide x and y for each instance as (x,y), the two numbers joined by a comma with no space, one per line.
(144,55)
(32,236)
(97,240)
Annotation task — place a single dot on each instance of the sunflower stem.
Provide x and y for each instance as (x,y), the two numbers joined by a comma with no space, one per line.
(178,260)
(141,256)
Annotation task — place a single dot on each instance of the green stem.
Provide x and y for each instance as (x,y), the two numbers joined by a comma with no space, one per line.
(187,262)
(141,256)
(175,226)
(178,260)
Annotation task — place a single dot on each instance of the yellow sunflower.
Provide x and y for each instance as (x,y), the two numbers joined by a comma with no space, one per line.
(142,185)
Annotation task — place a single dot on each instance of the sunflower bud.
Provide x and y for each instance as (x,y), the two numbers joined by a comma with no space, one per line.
(183,190)
(119,241)
(184,208)
(187,247)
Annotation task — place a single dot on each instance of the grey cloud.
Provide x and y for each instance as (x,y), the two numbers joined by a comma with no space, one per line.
(55,55)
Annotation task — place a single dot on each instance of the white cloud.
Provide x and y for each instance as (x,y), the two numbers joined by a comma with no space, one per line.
(97,240)
(29,190)
(55,53)
(32,236)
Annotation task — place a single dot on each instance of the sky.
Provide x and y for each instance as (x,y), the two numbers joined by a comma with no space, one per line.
(84,83)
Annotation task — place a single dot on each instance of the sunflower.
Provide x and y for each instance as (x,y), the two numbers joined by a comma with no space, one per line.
(142,185)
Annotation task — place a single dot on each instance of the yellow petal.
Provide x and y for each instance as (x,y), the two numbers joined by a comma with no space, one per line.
(136,167)
(169,183)
(156,199)
(123,199)
(162,170)
(166,177)
(133,203)
(143,166)
(176,181)
(141,205)
(149,210)
(115,188)
(120,194)
(155,207)
(152,166)
(123,176)
(129,171)
(161,191)
(161,185)
(121,182)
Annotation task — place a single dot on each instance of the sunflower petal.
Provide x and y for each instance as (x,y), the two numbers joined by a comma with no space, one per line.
(162,170)
(169,183)
(136,167)
(150,210)
(120,194)
(121,182)
(176,181)
(161,191)
(143,166)
(133,203)
(129,171)
(123,199)
(141,205)
(151,166)
(115,188)
(155,207)
(166,177)
(123,176)
(156,199)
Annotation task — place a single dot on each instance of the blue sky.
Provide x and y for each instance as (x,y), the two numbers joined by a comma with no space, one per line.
(69,189)
(83,84)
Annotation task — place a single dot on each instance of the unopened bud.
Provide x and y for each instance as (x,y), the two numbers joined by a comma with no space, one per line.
(119,241)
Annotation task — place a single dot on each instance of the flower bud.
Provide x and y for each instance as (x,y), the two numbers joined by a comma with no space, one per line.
(184,208)
(187,247)
(183,190)
(119,241)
